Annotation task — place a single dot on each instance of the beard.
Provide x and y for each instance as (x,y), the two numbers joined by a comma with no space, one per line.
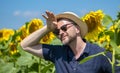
(68,40)
(65,41)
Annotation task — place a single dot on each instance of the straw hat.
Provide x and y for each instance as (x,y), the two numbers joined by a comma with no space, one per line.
(72,16)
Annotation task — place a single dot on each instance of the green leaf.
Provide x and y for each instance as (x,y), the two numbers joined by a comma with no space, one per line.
(25,58)
(113,44)
(117,50)
(33,72)
(25,61)
(117,34)
(107,20)
(56,41)
(7,68)
(90,57)
(118,65)
(46,68)
(118,23)
(4,44)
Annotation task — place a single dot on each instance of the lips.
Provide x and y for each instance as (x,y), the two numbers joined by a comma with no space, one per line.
(63,38)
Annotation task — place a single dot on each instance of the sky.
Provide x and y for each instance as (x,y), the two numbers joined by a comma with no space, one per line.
(15,13)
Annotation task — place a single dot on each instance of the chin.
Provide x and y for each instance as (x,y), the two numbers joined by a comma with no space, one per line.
(65,42)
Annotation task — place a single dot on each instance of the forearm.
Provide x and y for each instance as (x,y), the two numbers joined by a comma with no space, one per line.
(35,37)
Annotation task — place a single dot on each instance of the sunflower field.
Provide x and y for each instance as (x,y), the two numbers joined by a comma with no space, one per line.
(103,30)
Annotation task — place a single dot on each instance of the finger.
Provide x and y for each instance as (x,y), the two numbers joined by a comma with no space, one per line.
(52,16)
(48,14)
(45,17)
(55,23)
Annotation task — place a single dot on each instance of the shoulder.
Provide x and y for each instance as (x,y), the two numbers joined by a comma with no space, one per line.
(94,48)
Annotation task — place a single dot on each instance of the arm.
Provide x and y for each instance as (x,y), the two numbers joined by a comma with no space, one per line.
(31,43)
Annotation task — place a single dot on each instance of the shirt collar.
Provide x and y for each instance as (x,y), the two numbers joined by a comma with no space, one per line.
(83,55)
(86,50)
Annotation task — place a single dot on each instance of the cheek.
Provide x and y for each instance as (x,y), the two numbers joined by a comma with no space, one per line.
(72,32)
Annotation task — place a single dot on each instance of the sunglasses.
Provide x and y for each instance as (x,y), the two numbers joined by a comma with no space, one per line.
(63,28)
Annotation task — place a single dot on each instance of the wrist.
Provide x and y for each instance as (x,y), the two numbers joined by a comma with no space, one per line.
(47,30)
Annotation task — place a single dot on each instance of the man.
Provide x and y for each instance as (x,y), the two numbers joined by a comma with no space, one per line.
(71,31)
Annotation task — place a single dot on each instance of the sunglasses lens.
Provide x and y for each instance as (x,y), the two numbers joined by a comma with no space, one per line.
(64,28)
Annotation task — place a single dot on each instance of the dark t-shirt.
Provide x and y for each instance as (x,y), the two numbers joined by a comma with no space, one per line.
(63,58)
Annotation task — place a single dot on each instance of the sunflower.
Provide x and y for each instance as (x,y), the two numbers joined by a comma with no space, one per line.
(1,35)
(24,32)
(34,25)
(115,26)
(115,29)
(13,48)
(112,28)
(104,41)
(105,38)
(47,38)
(5,34)
(93,21)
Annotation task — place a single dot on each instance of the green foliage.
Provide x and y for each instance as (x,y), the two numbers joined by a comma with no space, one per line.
(114,43)
(23,62)
(107,20)
(90,57)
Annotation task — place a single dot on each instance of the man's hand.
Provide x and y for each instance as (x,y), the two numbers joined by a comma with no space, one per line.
(50,20)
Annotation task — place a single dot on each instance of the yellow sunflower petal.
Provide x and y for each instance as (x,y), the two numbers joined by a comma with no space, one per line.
(34,25)
(93,21)
(47,38)
(6,33)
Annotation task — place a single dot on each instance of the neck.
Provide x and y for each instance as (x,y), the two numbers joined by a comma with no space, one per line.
(77,46)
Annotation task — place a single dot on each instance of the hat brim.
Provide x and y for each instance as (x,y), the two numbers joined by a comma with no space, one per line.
(77,20)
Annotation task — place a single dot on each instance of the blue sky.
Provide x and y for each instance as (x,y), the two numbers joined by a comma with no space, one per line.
(14,13)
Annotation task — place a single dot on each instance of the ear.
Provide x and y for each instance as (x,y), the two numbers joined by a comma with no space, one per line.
(77,29)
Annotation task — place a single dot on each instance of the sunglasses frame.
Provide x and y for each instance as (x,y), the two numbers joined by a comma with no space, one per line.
(63,28)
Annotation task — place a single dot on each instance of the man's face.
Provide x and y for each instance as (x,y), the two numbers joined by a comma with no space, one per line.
(66,31)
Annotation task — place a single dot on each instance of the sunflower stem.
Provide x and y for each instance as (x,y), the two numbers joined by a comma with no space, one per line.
(39,66)
(113,61)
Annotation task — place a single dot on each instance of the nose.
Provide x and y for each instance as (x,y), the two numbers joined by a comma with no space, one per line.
(61,32)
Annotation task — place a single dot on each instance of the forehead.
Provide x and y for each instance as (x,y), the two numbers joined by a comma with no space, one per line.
(63,22)
(64,19)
